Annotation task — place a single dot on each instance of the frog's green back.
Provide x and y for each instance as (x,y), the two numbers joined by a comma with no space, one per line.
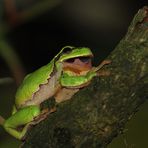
(32,81)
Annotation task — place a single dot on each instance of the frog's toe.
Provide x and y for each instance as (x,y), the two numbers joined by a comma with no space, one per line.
(103,73)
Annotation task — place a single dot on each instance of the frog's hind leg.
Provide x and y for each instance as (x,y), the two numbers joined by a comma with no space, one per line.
(43,115)
(22,117)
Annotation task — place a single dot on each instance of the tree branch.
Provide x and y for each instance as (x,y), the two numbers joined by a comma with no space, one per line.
(99,112)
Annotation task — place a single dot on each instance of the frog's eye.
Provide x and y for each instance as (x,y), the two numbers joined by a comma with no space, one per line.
(82,59)
(70,60)
(85,59)
(67,49)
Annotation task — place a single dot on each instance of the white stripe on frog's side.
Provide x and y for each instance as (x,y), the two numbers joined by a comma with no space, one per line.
(45,91)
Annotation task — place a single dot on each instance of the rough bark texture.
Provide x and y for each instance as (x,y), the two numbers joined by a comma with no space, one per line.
(97,113)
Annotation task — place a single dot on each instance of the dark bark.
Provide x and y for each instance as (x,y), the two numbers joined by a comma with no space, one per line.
(99,112)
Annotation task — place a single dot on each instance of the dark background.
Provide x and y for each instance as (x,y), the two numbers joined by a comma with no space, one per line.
(97,24)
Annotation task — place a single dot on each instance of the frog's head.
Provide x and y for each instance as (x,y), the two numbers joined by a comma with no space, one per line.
(76,59)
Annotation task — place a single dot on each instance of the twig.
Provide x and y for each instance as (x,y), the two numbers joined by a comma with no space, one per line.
(12,60)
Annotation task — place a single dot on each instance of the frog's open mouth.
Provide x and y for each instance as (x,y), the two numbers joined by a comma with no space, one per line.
(78,64)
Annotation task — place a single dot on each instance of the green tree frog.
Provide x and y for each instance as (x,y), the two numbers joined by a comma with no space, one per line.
(68,71)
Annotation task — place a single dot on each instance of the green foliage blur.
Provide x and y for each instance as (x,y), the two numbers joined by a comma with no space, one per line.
(36,30)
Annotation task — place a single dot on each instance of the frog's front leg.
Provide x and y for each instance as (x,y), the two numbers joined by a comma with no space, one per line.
(22,117)
(105,62)
(100,72)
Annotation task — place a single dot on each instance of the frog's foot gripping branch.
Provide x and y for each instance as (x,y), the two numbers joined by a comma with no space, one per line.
(105,62)
(99,70)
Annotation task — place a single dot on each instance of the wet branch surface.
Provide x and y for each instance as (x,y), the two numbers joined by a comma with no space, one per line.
(99,112)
